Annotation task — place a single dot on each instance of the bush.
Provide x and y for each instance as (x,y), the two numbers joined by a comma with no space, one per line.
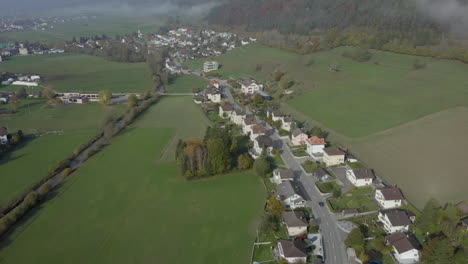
(244,162)
(262,166)
(417,65)
(66,172)
(44,189)
(359,55)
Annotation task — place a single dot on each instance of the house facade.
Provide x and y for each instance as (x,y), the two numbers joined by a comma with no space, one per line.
(298,138)
(249,86)
(293,251)
(257,130)
(3,135)
(213,94)
(210,66)
(394,220)
(262,142)
(287,193)
(405,248)
(360,177)
(315,146)
(389,197)
(295,222)
(237,117)
(333,156)
(280,175)
(247,125)
(225,111)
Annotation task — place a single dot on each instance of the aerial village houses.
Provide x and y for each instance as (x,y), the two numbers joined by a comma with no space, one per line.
(213,94)
(322,175)
(333,156)
(238,116)
(281,175)
(405,247)
(209,66)
(286,121)
(315,146)
(389,197)
(262,142)
(360,177)
(3,135)
(394,220)
(289,196)
(298,138)
(293,251)
(296,222)
(249,86)
(226,110)
(247,124)
(257,130)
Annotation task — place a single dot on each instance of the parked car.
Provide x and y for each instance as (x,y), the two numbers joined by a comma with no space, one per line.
(321,204)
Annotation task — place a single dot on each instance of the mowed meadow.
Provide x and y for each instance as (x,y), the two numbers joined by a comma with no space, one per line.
(128,204)
(52,134)
(70,72)
(365,99)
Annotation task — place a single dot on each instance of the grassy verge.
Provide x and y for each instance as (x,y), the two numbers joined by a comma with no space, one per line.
(356,198)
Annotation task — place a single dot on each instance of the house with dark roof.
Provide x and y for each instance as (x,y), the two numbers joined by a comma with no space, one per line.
(405,247)
(389,197)
(293,251)
(257,130)
(288,194)
(249,86)
(296,222)
(225,111)
(3,135)
(262,142)
(238,116)
(322,174)
(360,177)
(298,137)
(280,175)
(333,156)
(394,220)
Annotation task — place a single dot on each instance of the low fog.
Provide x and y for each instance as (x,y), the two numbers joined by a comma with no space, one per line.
(453,13)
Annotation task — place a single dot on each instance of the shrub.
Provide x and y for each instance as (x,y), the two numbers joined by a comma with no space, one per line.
(417,65)
(244,162)
(262,166)
(66,172)
(44,189)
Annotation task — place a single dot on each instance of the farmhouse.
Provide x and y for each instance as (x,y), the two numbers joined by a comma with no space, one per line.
(293,251)
(360,177)
(257,130)
(405,247)
(3,135)
(333,156)
(210,66)
(280,175)
(249,86)
(288,194)
(261,143)
(315,146)
(322,175)
(225,111)
(298,137)
(389,197)
(394,220)
(296,222)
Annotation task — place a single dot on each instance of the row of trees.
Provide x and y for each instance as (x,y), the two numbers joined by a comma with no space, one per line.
(112,51)
(218,152)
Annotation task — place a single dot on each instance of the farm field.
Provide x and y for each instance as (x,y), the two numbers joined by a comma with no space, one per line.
(109,25)
(140,210)
(63,129)
(65,72)
(186,84)
(363,102)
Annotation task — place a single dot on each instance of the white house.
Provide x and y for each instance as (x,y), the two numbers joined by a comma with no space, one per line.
(389,197)
(249,86)
(293,251)
(4,98)
(394,220)
(296,222)
(280,175)
(3,135)
(247,124)
(405,248)
(262,142)
(257,130)
(298,137)
(287,123)
(333,156)
(226,110)
(237,117)
(210,66)
(288,194)
(360,177)
(315,146)
(23,51)
(213,94)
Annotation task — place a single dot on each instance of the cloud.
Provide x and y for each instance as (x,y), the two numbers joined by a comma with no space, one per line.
(453,13)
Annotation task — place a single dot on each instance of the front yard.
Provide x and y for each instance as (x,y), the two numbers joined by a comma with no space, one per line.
(328,187)
(356,198)
(299,151)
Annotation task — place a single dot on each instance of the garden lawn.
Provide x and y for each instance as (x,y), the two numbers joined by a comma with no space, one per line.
(328,187)
(63,129)
(65,72)
(356,198)
(123,206)
(186,84)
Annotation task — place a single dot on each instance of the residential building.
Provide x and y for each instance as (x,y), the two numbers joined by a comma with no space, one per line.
(293,251)
(213,94)
(280,175)
(405,247)
(210,66)
(315,146)
(76,99)
(289,195)
(298,137)
(296,222)
(360,177)
(199,99)
(23,51)
(333,156)
(214,83)
(3,135)
(237,117)
(287,123)
(394,220)
(247,124)
(389,197)
(4,98)
(322,175)
(262,142)
(464,222)
(225,111)
(249,86)
(256,131)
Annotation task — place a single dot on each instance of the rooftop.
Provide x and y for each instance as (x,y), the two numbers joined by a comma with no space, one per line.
(295,219)
(402,242)
(3,131)
(314,140)
(364,173)
(264,141)
(285,173)
(293,248)
(397,217)
(333,151)
(391,193)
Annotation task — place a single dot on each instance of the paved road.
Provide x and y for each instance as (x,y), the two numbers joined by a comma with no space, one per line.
(333,237)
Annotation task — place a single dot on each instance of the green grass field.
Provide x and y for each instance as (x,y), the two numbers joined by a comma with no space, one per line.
(186,84)
(63,129)
(126,205)
(109,25)
(66,72)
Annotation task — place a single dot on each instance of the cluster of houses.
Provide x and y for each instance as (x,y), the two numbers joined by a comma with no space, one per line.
(211,94)
(78,97)
(7,78)
(12,49)
(9,24)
